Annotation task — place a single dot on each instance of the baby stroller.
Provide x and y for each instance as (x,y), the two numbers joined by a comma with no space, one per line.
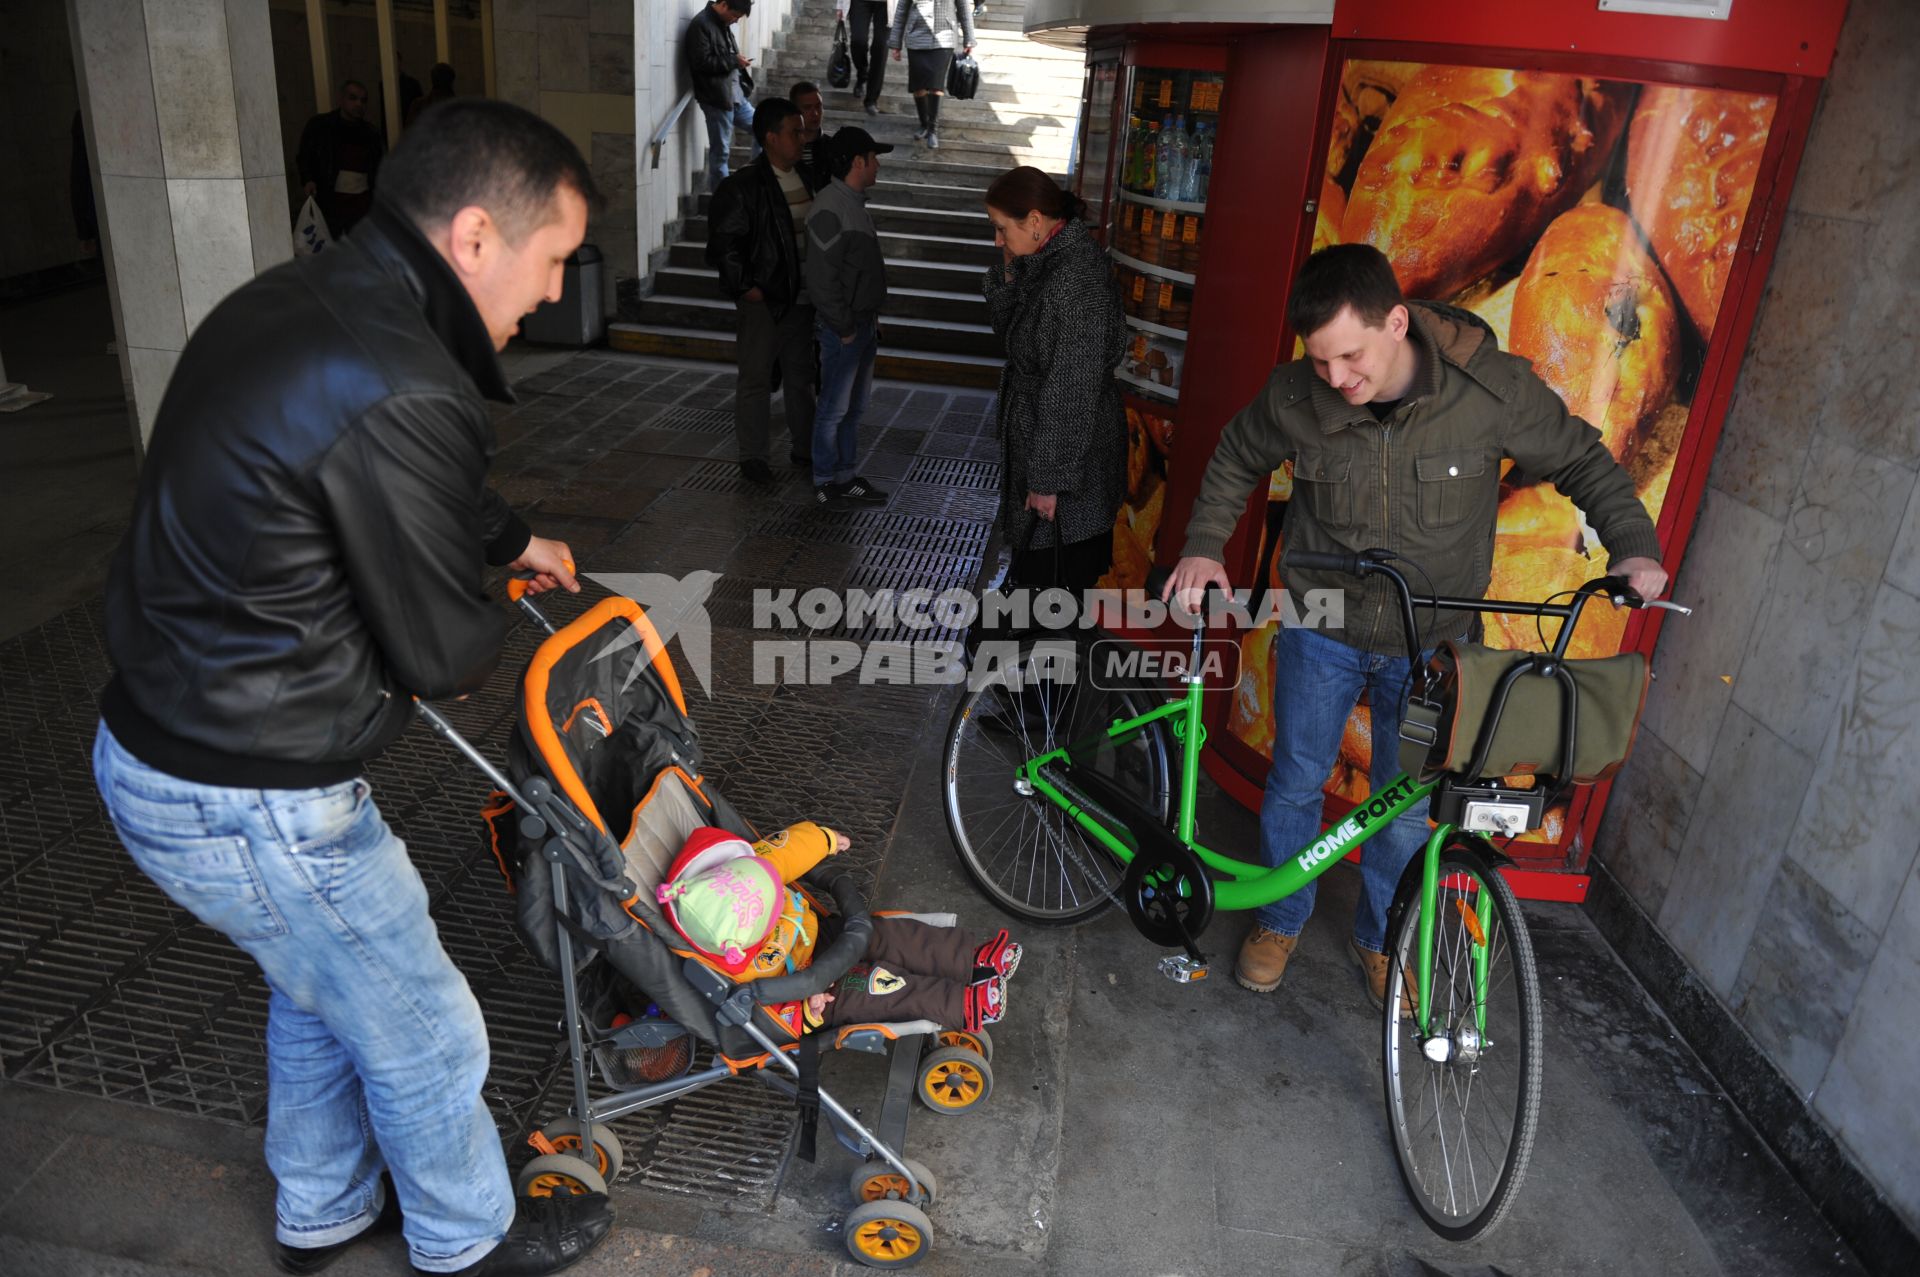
(603,785)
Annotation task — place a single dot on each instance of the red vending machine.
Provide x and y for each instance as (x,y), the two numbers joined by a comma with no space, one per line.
(1600,181)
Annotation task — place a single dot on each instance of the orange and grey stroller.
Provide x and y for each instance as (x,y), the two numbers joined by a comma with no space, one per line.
(603,785)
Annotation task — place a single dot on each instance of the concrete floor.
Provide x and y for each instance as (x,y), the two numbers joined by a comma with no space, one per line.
(1137,1126)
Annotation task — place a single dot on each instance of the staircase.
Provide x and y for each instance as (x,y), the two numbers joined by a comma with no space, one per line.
(927,205)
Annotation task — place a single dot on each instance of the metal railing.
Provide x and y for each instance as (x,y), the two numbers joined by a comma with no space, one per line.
(660,135)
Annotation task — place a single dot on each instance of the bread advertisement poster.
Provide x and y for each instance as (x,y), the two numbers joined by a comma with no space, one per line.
(1592,224)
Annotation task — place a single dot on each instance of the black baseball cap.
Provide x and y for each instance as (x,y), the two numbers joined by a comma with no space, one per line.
(853,141)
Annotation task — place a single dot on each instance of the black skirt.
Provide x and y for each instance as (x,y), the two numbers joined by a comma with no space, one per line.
(927,70)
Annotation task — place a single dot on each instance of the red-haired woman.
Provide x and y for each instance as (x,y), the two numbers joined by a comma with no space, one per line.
(1063,433)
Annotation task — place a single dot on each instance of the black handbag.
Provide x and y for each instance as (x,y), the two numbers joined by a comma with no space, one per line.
(963,77)
(840,62)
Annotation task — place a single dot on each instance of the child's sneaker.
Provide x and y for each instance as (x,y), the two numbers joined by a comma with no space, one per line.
(986,1003)
(998,956)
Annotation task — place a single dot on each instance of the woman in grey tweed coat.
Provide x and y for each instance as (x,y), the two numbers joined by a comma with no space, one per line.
(1063,432)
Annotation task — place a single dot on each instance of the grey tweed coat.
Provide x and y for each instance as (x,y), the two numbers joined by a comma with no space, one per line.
(1062,427)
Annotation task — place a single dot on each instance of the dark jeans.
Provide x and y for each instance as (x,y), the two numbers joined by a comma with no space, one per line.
(846,379)
(763,342)
(869,55)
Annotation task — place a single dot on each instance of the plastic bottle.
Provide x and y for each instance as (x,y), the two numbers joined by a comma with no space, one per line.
(1203,166)
(1182,159)
(1164,160)
(1149,160)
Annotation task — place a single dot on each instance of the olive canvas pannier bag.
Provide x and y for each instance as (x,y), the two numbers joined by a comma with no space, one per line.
(1612,692)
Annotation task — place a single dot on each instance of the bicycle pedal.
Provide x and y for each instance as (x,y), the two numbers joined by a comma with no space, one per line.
(1181,969)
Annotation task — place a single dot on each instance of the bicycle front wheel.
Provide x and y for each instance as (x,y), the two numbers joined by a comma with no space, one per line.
(1028,856)
(1464,1100)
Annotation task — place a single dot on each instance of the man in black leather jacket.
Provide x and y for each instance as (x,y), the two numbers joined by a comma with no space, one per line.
(756,233)
(722,82)
(305,557)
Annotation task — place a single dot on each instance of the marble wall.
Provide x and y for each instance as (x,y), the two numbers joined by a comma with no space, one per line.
(660,82)
(1769,822)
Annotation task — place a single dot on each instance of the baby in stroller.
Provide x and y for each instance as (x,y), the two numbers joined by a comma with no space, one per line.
(734,902)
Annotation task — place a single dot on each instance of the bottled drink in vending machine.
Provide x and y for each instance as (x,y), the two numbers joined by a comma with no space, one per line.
(1182,159)
(1164,160)
(1149,159)
(1202,171)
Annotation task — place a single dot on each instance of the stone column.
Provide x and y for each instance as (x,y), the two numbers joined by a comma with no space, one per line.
(184,138)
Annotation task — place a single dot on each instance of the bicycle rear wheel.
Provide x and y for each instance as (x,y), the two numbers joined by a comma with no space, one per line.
(1025,853)
(1464,1102)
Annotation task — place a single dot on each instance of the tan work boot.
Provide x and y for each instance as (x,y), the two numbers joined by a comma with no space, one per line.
(1373,967)
(1263,959)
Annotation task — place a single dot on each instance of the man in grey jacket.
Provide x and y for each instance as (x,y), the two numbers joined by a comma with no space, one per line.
(1396,423)
(847,278)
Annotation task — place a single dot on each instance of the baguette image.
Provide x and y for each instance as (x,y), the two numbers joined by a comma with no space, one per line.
(1469,165)
(1595,316)
(1693,156)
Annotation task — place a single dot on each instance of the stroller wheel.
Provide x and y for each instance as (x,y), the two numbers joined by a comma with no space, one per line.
(558,1175)
(978,1041)
(878,1182)
(954,1080)
(889,1234)
(564,1137)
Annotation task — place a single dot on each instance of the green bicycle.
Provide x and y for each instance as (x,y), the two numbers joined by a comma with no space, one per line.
(1060,799)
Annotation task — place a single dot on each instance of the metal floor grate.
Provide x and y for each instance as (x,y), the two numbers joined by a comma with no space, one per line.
(108,989)
(955,472)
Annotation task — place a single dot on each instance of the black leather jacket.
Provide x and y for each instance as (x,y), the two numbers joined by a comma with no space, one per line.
(750,236)
(713,60)
(312,522)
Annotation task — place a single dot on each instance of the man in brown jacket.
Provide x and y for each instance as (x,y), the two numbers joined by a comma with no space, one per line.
(1396,423)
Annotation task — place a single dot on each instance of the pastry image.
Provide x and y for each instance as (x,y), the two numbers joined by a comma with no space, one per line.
(1367,89)
(1327,218)
(1250,715)
(1652,464)
(1470,163)
(1537,572)
(1595,316)
(1692,158)
(1540,517)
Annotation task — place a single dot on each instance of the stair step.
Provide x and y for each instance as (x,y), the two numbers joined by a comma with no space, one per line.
(894,362)
(926,250)
(1061,101)
(933,336)
(958,227)
(903,301)
(902,272)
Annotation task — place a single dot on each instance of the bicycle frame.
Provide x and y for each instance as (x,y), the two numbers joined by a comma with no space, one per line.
(1251,886)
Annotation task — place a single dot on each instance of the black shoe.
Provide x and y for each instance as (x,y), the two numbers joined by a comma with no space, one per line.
(859,89)
(863,491)
(311,1259)
(831,498)
(801,461)
(547,1234)
(933,140)
(873,109)
(756,470)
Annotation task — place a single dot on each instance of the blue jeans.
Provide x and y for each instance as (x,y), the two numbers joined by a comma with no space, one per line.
(1316,682)
(376,1052)
(846,379)
(720,126)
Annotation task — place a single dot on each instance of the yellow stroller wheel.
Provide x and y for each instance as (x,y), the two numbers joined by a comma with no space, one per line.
(978,1041)
(563,1136)
(954,1080)
(878,1182)
(889,1234)
(558,1175)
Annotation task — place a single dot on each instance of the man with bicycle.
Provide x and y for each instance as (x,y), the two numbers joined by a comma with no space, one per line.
(1396,423)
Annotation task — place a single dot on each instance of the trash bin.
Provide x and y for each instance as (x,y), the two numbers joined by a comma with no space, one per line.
(576,319)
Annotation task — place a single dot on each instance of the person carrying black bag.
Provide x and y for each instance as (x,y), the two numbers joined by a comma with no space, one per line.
(928,31)
(1063,433)
(867,26)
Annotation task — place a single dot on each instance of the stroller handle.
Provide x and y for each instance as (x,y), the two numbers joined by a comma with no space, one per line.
(831,963)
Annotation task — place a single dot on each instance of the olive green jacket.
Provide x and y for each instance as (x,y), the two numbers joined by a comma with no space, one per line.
(1424,484)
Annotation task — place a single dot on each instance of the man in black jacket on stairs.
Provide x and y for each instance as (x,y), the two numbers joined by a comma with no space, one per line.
(757,239)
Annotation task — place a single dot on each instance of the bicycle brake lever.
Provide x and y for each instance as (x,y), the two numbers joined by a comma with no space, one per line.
(1670,606)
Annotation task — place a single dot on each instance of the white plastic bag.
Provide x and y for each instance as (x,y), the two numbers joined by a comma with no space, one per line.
(310,233)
